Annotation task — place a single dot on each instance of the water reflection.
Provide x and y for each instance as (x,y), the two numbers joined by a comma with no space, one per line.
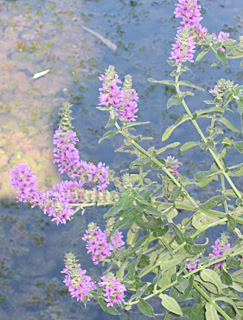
(42,35)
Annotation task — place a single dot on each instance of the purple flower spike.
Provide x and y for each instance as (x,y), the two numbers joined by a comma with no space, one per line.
(193,265)
(113,290)
(218,251)
(98,244)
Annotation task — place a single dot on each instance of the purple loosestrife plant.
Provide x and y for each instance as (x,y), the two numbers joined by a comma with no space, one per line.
(155,245)
(123,99)
(98,244)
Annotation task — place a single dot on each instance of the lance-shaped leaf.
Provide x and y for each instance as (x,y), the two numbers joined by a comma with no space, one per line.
(146,308)
(179,236)
(201,220)
(226,278)
(202,54)
(166,82)
(189,145)
(110,310)
(123,204)
(227,300)
(208,275)
(239,146)
(211,312)
(199,176)
(189,84)
(171,145)
(108,135)
(228,124)
(170,304)
(197,312)
(169,130)
(195,249)
(174,101)
(202,112)
(211,203)
(231,223)
(219,55)
(183,295)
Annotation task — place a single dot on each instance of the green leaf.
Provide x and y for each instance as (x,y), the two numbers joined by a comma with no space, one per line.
(174,101)
(219,55)
(237,173)
(232,263)
(189,84)
(146,207)
(166,82)
(131,270)
(146,308)
(202,112)
(240,105)
(162,231)
(166,277)
(169,130)
(182,296)
(199,176)
(188,145)
(178,234)
(148,222)
(170,304)
(140,291)
(201,220)
(175,193)
(197,312)
(195,248)
(167,317)
(211,203)
(111,122)
(239,146)
(133,124)
(227,300)
(228,124)
(226,278)
(182,284)
(211,312)
(110,310)
(122,205)
(205,182)
(171,145)
(108,135)
(172,261)
(208,275)
(231,223)
(201,55)
(126,220)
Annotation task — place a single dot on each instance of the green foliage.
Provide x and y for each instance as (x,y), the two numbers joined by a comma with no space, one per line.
(165,214)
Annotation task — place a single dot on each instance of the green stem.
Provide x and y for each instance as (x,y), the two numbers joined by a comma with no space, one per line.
(157,162)
(217,160)
(216,306)
(182,245)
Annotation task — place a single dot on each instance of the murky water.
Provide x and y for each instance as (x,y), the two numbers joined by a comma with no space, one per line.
(48,35)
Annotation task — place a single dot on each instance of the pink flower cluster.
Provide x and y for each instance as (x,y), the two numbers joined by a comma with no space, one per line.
(25,180)
(192,265)
(191,29)
(221,38)
(113,290)
(79,284)
(98,244)
(123,100)
(189,12)
(56,202)
(170,164)
(67,157)
(218,250)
